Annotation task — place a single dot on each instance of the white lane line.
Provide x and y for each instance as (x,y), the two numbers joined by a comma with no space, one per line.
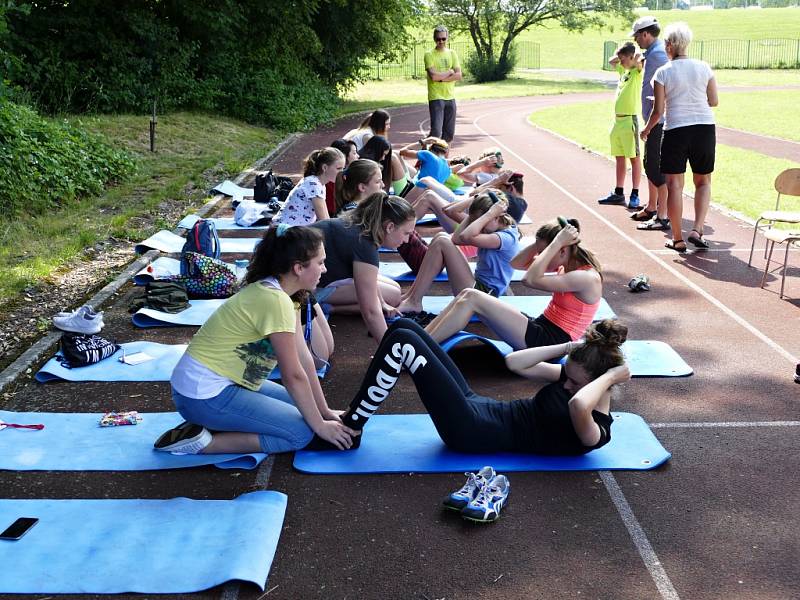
(712,425)
(639,538)
(231,589)
(728,311)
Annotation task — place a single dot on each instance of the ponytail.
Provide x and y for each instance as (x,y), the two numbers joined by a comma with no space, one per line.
(312,165)
(582,256)
(358,172)
(281,248)
(484,201)
(373,150)
(602,349)
(372,215)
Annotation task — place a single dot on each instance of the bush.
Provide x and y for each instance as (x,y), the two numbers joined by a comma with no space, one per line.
(46,164)
(488,68)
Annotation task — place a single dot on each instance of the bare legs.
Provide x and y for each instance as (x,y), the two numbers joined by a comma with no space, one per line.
(702,198)
(442,253)
(506,321)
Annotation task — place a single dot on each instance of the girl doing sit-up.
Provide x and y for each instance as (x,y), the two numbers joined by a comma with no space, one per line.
(352,284)
(487,227)
(221,382)
(569,416)
(557,262)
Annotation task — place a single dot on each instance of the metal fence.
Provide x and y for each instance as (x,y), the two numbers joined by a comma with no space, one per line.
(773,53)
(412,66)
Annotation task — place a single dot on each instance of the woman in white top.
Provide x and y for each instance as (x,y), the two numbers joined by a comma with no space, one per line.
(306,202)
(378,123)
(685,90)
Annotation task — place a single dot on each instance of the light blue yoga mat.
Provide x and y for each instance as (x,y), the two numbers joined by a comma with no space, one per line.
(147,546)
(221,223)
(165,356)
(533,306)
(645,358)
(399,271)
(76,442)
(170,243)
(198,313)
(237,192)
(162,267)
(410,443)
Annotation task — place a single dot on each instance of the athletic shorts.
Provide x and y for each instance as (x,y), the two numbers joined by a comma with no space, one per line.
(695,143)
(482,287)
(543,332)
(624,136)
(413,251)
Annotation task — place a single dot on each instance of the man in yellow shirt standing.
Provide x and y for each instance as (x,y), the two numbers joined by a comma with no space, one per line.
(443,69)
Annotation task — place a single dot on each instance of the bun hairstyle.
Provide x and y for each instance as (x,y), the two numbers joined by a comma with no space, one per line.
(373,150)
(582,256)
(376,211)
(280,249)
(312,165)
(357,172)
(483,202)
(602,349)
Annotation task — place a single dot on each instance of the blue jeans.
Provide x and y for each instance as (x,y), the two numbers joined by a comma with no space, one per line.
(270,412)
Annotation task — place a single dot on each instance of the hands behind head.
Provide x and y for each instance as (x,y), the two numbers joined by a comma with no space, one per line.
(568,236)
(619,374)
(498,208)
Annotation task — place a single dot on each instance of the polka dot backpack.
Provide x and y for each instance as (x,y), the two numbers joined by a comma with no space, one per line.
(207,277)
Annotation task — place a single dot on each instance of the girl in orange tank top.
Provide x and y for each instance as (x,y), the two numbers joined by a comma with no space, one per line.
(556,262)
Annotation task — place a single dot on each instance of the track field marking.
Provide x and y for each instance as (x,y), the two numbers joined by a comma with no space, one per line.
(712,425)
(654,566)
(708,296)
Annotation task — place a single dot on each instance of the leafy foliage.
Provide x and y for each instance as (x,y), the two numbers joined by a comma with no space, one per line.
(273,63)
(45,165)
(494,24)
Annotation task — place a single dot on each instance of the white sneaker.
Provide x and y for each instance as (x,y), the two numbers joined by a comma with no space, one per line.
(85,309)
(186,438)
(80,322)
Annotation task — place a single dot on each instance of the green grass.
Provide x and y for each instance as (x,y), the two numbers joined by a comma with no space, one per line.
(400,92)
(188,146)
(743,180)
(770,113)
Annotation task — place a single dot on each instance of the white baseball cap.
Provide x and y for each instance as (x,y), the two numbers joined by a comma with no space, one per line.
(642,23)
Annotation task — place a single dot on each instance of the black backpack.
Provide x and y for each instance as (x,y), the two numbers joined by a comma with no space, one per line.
(203,239)
(79,350)
(269,186)
(166,296)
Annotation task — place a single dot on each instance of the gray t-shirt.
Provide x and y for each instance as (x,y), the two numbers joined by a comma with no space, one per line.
(344,245)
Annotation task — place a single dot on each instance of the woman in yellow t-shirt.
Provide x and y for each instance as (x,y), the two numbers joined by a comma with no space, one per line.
(221,382)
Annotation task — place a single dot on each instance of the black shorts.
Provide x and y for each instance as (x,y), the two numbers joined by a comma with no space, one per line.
(542,332)
(697,143)
(652,156)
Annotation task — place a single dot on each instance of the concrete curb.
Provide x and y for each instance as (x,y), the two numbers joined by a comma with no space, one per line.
(45,344)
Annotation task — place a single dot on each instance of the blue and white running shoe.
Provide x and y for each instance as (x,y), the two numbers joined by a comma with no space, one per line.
(475,481)
(487,505)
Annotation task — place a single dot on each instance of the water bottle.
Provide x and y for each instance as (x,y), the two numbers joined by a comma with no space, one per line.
(241,268)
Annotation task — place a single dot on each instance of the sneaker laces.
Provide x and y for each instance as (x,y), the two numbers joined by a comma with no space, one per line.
(471,484)
(485,494)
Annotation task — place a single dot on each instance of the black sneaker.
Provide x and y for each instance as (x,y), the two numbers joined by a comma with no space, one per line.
(612,198)
(186,438)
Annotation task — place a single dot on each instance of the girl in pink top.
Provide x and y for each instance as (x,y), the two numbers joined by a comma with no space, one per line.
(556,262)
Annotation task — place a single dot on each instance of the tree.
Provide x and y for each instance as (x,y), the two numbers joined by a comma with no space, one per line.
(493,23)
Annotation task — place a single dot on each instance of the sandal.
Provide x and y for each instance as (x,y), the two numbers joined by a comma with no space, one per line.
(654,224)
(698,240)
(644,215)
(677,245)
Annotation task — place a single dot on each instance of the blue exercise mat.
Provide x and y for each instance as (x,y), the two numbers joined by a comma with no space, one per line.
(160,268)
(533,306)
(165,357)
(409,443)
(147,546)
(198,313)
(645,358)
(399,271)
(170,243)
(76,442)
(221,223)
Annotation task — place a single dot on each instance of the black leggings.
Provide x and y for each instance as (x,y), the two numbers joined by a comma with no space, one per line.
(465,421)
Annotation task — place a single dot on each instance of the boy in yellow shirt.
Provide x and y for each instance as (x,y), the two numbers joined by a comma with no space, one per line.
(624,135)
